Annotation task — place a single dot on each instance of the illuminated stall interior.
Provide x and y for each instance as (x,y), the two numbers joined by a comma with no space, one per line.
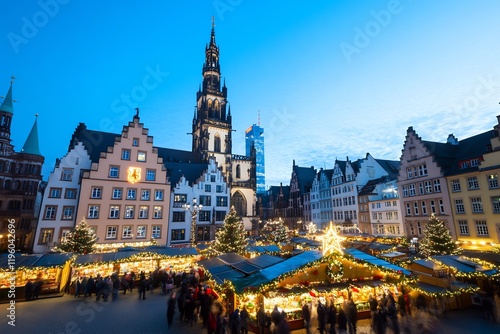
(133,260)
(52,268)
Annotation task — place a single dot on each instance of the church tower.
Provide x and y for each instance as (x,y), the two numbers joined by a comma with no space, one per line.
(6,112)
(211,122)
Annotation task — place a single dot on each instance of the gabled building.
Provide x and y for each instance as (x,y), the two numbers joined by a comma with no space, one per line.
(321,198)
(300,184)
(125,195)
(422,184)
(474,189)
(207,185)
(20,182)
(352,178)
(60,199)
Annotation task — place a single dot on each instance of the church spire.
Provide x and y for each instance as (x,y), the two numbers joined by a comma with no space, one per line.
(8,102)
(212,35)
(31,145)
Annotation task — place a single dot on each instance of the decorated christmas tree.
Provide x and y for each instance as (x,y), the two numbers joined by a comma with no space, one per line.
(276,231)
(311,228)
(232,237)
(81,240)
(437,239)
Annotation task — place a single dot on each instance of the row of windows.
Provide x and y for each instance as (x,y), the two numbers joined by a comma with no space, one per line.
(386,229)
(127,232)
(416,171)
(203,200)
(426,187)
(129,212)
(477,205)
(114,172)
(50,213)
(345,215)
(473,183)
(351,200)
(141,155)
(203,216)
(391,215)
(422,208)
(131,194)
(480,225)
(69,193)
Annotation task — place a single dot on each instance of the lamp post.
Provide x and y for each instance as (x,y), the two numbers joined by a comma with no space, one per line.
(193,209)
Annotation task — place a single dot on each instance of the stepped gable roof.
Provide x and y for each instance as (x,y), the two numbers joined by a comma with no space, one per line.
(391,167)
(95,142)
(173,155)
(191,171)
(305,177)
(342,165)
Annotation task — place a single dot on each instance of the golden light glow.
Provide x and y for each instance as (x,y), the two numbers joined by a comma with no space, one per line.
(134,174)
(331,241)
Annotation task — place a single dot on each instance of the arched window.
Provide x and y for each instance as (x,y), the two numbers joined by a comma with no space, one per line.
(238,171)
(239,203)
(217,143)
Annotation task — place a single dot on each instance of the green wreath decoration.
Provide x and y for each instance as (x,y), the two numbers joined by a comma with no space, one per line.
(335,275)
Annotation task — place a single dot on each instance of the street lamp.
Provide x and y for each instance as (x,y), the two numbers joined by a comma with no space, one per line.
(193,209)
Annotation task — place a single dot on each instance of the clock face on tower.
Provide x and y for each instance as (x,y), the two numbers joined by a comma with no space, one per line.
(134,174)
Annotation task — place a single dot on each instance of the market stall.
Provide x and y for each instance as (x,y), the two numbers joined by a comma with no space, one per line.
(51,269)
(130,259)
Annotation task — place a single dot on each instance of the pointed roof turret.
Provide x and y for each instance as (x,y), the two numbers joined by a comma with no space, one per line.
(8,102)
(31,145)
(212,34)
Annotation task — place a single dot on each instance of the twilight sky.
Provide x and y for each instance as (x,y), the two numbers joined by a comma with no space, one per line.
(330,78)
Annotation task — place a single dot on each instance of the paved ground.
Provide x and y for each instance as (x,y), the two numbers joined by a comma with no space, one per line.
(68,314)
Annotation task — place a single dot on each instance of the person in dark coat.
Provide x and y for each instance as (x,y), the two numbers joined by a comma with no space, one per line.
(124,283)
(342,321)
(234,322)
(421,303)
(352,316)
(29,288)
(261,320)
(392,314)
(283,327)
(401,304)
(276,316)
(306,314)
(381,318)
(332,318)
(321,318)
(37,288)
(143,284)
(78,289)
(171,310)
(244,320)
(90,286)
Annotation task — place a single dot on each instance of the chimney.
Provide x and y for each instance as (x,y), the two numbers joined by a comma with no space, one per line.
(452,140)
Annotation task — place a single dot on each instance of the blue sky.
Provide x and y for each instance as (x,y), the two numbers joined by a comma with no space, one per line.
(331,79)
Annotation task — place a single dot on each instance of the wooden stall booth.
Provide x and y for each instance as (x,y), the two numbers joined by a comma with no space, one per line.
(51,270)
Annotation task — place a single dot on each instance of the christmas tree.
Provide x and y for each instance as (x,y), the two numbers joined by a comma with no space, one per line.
(276,231)
(232,237)
(437,239)
(81,240)
(311,228)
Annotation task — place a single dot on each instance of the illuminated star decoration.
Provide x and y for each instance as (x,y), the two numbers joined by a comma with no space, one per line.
(331,241)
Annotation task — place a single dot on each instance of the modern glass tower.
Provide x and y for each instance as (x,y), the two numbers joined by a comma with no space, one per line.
(254,138)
